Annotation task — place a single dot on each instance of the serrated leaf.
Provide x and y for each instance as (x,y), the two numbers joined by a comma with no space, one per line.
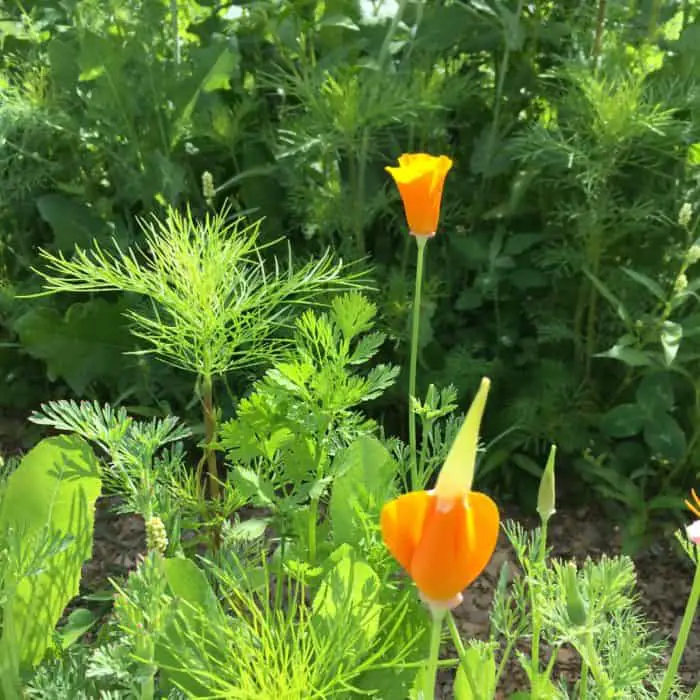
(84,346)
(73,223)
(366,348)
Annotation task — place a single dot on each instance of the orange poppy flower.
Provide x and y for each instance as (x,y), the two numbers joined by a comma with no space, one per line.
(444,538)
(420,178)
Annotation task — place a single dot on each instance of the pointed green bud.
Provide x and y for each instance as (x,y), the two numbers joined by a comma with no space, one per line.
(457,474)
(576,607)
(547,496)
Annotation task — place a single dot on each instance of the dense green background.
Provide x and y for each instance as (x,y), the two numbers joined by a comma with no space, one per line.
(560,268)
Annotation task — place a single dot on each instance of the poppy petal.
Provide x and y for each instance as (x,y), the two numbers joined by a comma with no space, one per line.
(455,547)
(401,523)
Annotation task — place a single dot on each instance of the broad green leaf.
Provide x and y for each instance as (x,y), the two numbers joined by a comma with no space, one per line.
(655,392)
(346,605)
(364,483)
(624,420)
(665,437)
(196,613)
(633,357)
(52,493)
(213,68)
(671,335)
(84,346)
(72,222)
(188,582)
(78,623)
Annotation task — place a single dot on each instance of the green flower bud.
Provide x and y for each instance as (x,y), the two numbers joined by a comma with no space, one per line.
(681,284)
(576,607)
(685,214)
(693,254)
(156,535)
(547,496)
(208,191)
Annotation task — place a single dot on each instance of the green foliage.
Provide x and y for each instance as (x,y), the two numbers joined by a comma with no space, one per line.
(46,524)
(304,412)
(575,143)
(216,307)
(259,648)
(140,469)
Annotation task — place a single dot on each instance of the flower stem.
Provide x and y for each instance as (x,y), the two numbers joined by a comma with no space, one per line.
(536,620)
(462,653)
(433,655)
(420,241)
(686,624)
(210,436)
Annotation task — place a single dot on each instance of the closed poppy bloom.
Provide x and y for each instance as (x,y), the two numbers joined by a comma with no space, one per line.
(420,178)
(444,538)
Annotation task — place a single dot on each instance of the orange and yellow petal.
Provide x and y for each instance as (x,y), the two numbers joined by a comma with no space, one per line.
(694,507)
(420,179)
(455,547)
(401,523)
(442,550)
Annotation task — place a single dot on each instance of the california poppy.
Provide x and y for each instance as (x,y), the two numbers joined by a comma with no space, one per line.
(444,538)
(420,178)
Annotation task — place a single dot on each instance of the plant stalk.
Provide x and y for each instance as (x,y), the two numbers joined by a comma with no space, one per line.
(462,653)
(536,620)
(210,436)
(415,327)
(433,655)
(682,640)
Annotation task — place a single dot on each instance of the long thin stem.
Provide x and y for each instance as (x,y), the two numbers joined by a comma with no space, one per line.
(462,653)
(500,84)
(599,28)
(597,671)
(174,12)
(534,611)
(389,36)
(210,436)
(686,624)
(433,655)
(420,241)
(312,525)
